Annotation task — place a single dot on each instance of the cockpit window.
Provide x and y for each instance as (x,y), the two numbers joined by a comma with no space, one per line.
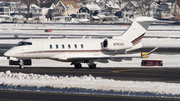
(24,43)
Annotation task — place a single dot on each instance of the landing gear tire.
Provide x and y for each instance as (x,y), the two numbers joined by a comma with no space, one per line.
(78,65)
(92,66)
(21,66)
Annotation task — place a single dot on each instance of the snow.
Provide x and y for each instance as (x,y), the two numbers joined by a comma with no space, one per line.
(86,85)
(62,29)
(163,42)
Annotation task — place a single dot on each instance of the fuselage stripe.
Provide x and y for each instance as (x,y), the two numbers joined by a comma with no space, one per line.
(63,51)
(137,40)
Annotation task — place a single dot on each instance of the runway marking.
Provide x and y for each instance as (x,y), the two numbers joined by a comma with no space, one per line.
(117,71)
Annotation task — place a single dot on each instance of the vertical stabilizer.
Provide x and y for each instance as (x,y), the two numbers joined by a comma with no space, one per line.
(136,31)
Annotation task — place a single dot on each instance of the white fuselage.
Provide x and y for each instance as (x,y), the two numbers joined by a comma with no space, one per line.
(62,49)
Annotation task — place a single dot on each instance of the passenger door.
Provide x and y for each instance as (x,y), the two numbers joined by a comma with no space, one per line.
(40,49)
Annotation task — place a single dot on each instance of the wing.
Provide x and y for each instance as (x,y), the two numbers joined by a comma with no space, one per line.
(127,57)
(123,56)
(103,59)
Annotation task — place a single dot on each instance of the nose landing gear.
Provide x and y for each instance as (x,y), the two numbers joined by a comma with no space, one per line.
(21,64)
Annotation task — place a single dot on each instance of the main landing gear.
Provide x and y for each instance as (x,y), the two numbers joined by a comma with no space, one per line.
(91,65)
(78,65)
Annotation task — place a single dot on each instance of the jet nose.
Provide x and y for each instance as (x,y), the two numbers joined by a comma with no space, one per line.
(7,54)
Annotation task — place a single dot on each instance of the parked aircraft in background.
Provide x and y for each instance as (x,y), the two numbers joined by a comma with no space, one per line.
(85,50)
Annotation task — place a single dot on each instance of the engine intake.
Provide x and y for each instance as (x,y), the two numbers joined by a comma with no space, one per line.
(105,43)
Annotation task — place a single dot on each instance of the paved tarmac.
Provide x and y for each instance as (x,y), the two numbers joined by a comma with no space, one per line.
(135,74)
(33,96)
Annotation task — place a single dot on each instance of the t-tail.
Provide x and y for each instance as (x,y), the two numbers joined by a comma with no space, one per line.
(137,30)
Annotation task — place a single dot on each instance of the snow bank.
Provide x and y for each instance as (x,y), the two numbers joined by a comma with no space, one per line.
(86,84)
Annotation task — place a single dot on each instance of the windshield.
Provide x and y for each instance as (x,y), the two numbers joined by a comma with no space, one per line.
(24,43)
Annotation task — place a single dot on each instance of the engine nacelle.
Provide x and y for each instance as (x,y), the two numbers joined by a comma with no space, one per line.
(137,46)
(116,44)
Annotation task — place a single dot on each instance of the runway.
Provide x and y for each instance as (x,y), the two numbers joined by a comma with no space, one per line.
(136,74)
(33,96)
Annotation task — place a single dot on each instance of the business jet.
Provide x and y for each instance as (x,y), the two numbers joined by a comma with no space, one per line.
(82,50)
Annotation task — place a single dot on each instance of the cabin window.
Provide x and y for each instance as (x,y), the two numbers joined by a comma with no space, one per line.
(75,46)
(50,46)
(57,47)
(69,46)
(24,43)
(63,46)
(82,46)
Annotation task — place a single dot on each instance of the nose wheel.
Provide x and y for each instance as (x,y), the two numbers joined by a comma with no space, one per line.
(21,64)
